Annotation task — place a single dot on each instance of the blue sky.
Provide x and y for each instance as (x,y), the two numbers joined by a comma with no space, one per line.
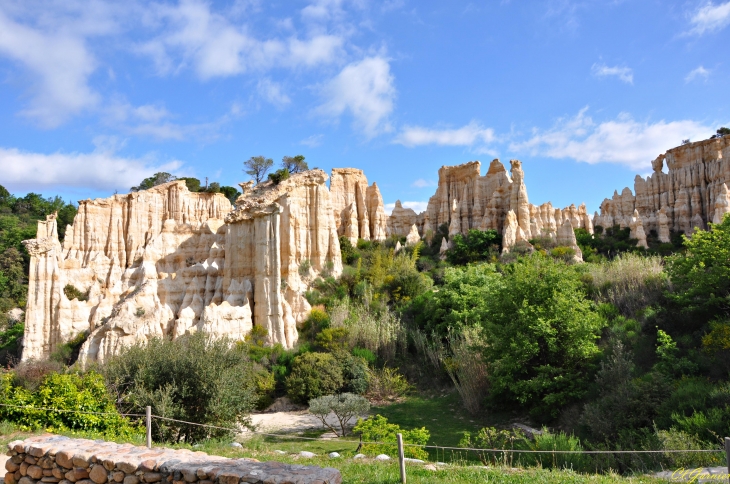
(96,95)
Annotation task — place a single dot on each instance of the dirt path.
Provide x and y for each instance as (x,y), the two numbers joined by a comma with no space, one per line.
(293,422)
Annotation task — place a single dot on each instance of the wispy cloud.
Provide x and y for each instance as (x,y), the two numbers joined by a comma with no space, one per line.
(623,140)
(312,141)
(624,73)
(417,207)
(366,90)
(422,183)
(699,73)
(710,18)
(467,135)
(101,169)
(273,92)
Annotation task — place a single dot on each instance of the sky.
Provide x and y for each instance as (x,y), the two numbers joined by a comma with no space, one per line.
(96,95)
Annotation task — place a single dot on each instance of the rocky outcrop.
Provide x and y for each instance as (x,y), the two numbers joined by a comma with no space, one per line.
(690,194)
(413,238)
(401,220)
(358,208)
(166,262)
(466,200)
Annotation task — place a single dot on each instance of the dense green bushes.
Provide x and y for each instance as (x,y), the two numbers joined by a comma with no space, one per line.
(79,403)
(195,378)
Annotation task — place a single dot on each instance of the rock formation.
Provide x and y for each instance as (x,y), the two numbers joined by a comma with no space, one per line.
(466,200)
(566,238)
(689,195)
(358,208)
(413,238)
(165,262)
(401,220)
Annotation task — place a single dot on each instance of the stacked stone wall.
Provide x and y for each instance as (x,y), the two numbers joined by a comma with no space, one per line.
(55,459)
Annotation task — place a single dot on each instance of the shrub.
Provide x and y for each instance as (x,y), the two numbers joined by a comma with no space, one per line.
(316,321)
(365,354)
(558,460)
(466,368)
(492,438)
(65,394)
(72,293)
(304,267)
(279,175)
(379,331)
(377,429)
(354,372)
(332,340)
(630,282)
(313,375)
(195,378)
(31,374)
(68,352)
(387,384)
(476,245)
(345,406)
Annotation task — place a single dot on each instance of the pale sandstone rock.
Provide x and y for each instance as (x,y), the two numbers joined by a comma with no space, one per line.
(358,208)
(687,193)
(413,238)
(637,230)
(444,248)
(398,247)
(663,226)
(722,204)
(566,238)
(166,262)
(401,219)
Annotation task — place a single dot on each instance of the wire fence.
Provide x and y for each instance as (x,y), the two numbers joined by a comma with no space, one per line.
(151,417)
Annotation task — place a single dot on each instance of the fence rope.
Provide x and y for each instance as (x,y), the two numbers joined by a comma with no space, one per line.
(290,436)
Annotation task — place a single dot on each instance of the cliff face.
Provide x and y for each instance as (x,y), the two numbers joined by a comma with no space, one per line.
(165,262)
(466,200)
(358,208)
(690,195)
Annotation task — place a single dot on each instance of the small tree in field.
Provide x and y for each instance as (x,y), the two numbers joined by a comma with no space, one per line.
(257,167)
(345,406)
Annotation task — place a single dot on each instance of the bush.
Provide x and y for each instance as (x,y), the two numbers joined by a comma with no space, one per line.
(354,372)
(365,354)
(630,282)
(377,429)
(72,293)
(313,375)
(345,406)
(492,438)
(279,176)
(195,378)
(377,330)
(386,384)
(65,394)
(475,246)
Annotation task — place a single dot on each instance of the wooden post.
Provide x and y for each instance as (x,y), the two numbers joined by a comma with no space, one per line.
(403,462)
(149,427)
(727,455)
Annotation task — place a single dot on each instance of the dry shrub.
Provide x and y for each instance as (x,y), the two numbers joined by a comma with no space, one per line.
(30,374)
(386,384)
(467,369)
(379,331)
(630,282)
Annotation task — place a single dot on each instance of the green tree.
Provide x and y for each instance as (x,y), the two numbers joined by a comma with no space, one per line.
(295,164)
(195,378)
(157,179)
(476,245)
(542,336)
(193,184)
(723,131)
(231,193)
(257,167)
(701,275)
(314,375)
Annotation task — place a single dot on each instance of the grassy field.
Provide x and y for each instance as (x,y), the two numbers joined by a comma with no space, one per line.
(375,472)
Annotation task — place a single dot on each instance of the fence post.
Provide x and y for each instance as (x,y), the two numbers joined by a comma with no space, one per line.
(727,455)
(149,427)
(403,462)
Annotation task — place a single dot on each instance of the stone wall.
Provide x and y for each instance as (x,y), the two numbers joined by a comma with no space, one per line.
(56,459)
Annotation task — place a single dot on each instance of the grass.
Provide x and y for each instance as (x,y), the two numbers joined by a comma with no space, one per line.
(375,472)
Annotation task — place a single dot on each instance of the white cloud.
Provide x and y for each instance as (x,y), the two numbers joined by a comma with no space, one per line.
(422,183)
(700,72)
(417,207)
(312,141)
(710,18)
(102,169)
(623,140)
(365,90)
(272,92)
(622,72)
(465,136)
(60,65)
(195,36)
